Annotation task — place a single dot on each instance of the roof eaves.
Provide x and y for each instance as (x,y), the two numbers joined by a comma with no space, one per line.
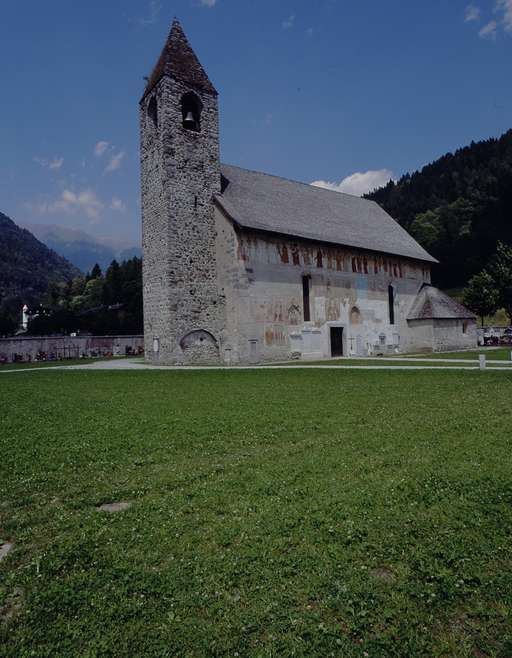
(404,253)
(306,236)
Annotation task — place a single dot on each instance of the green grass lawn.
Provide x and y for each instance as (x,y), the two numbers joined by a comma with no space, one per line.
(501,354)
(274,513)
(498,354)
(390,363)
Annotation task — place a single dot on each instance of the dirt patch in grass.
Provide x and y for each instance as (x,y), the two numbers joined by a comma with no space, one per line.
(5,549)
(12,606)
(114,507)
(384,574)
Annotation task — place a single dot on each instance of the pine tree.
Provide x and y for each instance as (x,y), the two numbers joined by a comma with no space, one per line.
(96,273)
(113,284)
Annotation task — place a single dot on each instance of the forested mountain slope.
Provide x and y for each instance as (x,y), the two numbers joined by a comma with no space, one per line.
(458,207)
(27,265)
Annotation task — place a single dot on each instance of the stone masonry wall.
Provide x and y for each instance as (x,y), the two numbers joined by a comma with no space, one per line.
(155,227)
(67,347)
(180,175)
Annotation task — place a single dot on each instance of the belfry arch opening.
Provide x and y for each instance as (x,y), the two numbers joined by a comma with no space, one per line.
(191,108)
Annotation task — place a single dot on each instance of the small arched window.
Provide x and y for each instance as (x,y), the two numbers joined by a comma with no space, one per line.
(191,108)
(391,304)
(355,315)
(153,111)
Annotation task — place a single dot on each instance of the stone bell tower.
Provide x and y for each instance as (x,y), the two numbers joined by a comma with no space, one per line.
(180,169)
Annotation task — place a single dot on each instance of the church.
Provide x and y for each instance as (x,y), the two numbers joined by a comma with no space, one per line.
(242,267)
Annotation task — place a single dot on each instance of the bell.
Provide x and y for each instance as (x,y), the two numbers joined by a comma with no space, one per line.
(189,121)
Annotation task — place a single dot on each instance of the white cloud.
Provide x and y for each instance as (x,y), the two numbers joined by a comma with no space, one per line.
(503,12)
(115,162)
(472,13)
(117,204)
(310,31)
(359,183)
(289,22)
(505,6)
(208,3)
(488,31)
(53,164)
(85,202)
(100,148)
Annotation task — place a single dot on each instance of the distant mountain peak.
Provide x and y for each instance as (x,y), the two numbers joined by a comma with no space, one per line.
(83,249)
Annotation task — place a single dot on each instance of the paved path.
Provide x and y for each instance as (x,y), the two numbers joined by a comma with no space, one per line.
(138,364)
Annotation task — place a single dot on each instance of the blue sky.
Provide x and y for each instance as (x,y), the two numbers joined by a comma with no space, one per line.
(315,90)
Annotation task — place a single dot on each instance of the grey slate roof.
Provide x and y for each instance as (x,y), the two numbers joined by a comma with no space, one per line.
(432,304)
(269,203)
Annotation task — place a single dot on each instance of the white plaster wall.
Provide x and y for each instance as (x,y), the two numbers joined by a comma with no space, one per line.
(419,337)
(454,334)
(261,277)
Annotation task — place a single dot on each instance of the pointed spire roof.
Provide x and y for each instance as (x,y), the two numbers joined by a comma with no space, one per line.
(180,62)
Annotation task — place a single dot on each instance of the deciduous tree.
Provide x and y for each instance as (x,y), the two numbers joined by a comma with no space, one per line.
(481,296)
(501,271)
